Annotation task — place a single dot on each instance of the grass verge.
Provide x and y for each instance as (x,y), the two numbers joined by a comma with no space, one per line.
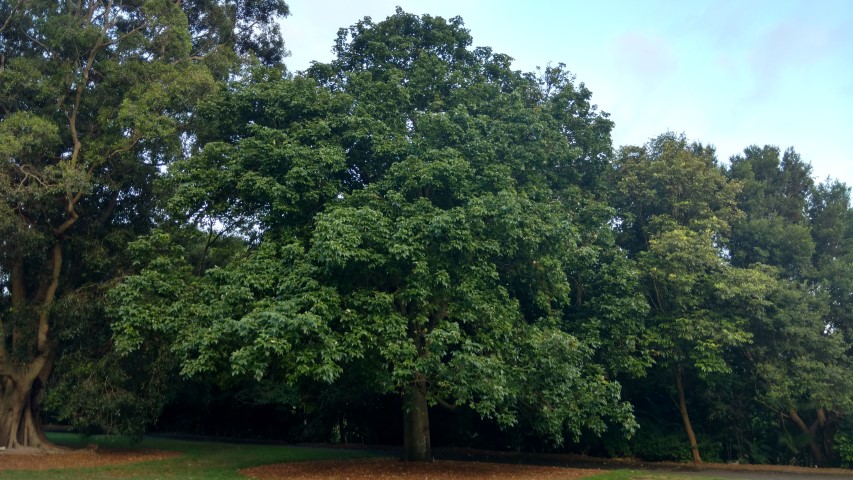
(198,460)
(219,461)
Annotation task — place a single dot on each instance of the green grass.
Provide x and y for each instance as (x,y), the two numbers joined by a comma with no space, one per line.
(199,460)
(221,461)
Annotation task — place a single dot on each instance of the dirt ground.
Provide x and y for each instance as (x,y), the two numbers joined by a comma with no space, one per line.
(26,459)
(388,469)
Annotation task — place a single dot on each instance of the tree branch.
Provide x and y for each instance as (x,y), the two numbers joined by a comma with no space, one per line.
(72,119)
(50,294)
(133,140)
(819,457)
(108,212)
(86,67)
(444,403)
(37,42)
(821,418)
(130,32)
(11,14)
(71,219)
(212,237)
(32,173)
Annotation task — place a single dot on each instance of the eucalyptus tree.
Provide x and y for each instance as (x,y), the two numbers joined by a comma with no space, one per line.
(418,222)
(95,99)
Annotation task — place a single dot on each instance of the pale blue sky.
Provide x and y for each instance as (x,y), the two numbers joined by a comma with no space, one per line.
(728,73)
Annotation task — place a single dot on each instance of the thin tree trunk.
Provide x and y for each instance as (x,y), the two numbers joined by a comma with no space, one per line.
(682,407)
(416,441)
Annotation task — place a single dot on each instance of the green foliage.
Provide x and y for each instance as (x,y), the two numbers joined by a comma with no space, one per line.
(414,212)
(670,182)
(676,212)
(110,394)
(560,387)
(801,351)
(272,157)
(774,229)
(411,209)
(671,447)
(655,444)
(96,99)
(697,300)
(844,443)
(831,218)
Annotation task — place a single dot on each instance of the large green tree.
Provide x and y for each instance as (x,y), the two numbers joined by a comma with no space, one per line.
(448,189)
(95,99)
(676,211)
(800,355)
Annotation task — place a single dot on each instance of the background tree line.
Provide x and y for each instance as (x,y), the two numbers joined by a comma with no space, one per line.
(196,239)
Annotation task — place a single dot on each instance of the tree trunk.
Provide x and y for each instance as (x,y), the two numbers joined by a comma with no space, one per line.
(817,453)
(682,407)
(20,425)
(22,380)
(416,442)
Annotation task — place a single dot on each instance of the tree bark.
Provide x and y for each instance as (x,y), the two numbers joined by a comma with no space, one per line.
(20,401)
(416,440)
(22,380)
(682,407)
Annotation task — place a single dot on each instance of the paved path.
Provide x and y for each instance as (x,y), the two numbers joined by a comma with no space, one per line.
(728,474)
(592,462)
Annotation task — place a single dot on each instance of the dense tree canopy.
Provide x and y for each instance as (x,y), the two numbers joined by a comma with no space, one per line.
(412,226)
(441,251)
(95,98)
(799,356)
(736,289)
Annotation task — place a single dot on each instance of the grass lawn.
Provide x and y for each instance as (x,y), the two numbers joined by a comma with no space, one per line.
(215,461)
(199,460)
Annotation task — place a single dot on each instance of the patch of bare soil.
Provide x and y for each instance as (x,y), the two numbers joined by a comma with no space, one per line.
(389,469)
(34,459)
